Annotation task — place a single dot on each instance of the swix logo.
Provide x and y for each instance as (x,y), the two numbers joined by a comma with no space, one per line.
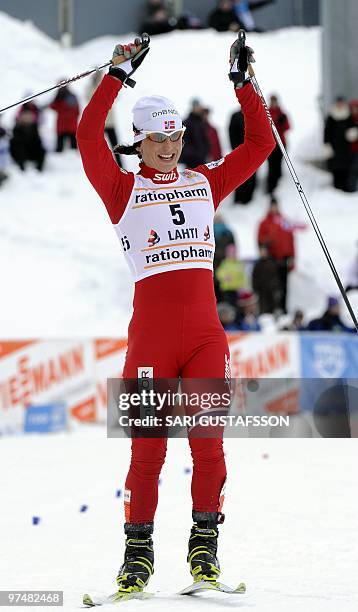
(207,233)
(169,176)
(153,238)
(169,125)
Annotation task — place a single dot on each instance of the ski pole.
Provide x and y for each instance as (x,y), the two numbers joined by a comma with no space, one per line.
(144,41)
(302,194)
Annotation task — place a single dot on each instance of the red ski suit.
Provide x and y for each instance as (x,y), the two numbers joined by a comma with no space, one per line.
(175,326)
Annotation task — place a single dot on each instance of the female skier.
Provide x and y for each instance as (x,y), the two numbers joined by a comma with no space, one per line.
(164,222)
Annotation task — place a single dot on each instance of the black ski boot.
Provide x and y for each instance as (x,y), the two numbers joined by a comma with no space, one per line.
(203,545)
(138,563)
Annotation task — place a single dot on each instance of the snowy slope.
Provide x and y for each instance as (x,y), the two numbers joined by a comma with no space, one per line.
(62,269)
(290,530)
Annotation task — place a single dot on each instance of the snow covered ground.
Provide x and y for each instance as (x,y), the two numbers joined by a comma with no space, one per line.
(290,531)
(62,269)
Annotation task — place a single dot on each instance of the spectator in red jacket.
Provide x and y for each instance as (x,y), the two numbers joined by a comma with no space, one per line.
(215,151)
(277,233)
(66,106)
(282,124)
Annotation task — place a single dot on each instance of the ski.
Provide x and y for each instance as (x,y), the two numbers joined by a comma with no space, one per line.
(205,585)
(115,598)
(196,587)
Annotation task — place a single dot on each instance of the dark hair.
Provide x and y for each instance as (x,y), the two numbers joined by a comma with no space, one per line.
(128,149)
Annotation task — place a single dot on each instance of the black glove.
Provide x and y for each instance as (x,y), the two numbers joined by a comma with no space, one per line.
(127,58)
(240,57)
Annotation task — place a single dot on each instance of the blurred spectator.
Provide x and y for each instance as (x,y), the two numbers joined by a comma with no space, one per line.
(297,323)
(277,233)
(224,17)
(282,124)
(230,275)
(227,316)
(330,320)
(25,144)
(266,282)
(244,193)
(235,14)
(243,10)
(4,155)
(337,145)
(213,136)
(196,142)
(66,106)
(352,135)
(248,304)
(352,281)
(152,6)
(188,21)
(109,127)
(30,106)
(223,237)
(157,19)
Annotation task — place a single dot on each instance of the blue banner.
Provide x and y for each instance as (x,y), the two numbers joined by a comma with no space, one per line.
(45,418)
(328,355)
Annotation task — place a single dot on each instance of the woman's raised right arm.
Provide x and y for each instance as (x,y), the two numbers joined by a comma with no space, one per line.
(112,184)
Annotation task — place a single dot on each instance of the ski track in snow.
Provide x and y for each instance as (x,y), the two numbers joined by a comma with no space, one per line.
(290,531)
(63,273)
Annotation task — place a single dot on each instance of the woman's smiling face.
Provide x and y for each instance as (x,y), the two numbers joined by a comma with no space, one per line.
(162,156)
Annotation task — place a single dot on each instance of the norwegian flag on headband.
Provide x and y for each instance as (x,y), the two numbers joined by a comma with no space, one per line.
(169,125)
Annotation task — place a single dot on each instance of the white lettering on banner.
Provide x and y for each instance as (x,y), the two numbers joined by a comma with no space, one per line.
(329,359)
(30,379)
